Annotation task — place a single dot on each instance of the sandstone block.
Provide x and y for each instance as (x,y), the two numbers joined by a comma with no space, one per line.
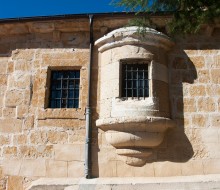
(198,90)
(77,136)
(10,151)
(33,168)
(4,140)
(145,171)
(41,151)
(69,152)
(61,123)
(22,65)
(24,54)
(192,168)
(204,76)
(210,135)
(211,166)
(11,166)
(75,169)
(9,112)
(199,120)
(13,98)
(213,149)
(22,111)
(163,169)
(108,169)
(10,68)
(38,137)
(186,105)
(198,61)
(3,79)
(215,120)
(29,122)
(15,183)
(20,139)
(3,65)
(10,125)
(215,76)
(213,90)
(57,169)
(57,137)
(217,60)
(206,104)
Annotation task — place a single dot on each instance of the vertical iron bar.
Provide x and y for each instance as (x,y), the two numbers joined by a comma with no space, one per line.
(126,80)
(132,80)
(67,96)
(61,88)
(137,84)
(144,84)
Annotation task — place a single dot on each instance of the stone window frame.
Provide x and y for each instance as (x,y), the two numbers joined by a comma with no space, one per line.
(130,61)
(63,115)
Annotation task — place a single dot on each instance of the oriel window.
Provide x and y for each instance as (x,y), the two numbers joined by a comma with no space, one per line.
(135,81)
(64,89)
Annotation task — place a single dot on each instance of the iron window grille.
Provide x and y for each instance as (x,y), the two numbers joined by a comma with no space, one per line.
(64,89)
(135,81)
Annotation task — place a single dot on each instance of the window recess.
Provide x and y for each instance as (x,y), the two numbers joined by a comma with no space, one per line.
(64,89)
(135,82)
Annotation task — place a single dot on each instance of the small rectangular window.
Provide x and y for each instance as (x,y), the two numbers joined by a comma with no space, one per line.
(64,89)
(135,81)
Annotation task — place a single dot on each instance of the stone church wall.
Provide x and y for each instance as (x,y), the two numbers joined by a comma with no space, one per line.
(38,142)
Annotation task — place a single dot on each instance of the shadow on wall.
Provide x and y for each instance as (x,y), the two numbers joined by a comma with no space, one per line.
(176,146)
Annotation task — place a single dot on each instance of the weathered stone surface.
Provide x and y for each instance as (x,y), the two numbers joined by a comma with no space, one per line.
(11,167)
(15,183)
(69,152)
(75,169)
(206,104)
(13,98)
(57,137)
(4,140)
(198,61)
(163,169)
(33,167)
(57,169)
(20,139)
(215,76)
(9,112)
(61,123)
(40,151)
(10,125)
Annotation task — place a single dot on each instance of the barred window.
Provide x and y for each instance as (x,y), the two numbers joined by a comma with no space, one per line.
(64,89)
(135,81)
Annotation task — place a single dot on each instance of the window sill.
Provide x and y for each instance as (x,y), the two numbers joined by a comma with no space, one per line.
(61,113)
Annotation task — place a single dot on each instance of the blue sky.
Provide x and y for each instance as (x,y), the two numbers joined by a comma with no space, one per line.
(29,8)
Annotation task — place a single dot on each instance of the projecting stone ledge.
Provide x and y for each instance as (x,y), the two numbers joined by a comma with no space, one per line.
(202,182)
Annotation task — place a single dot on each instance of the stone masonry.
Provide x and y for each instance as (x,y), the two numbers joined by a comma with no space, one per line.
(39,142)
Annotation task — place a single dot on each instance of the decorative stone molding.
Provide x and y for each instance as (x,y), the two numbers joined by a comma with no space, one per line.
(134,125)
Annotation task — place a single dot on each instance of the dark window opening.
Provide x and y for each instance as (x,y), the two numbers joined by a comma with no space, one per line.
(135,81)
(64,89)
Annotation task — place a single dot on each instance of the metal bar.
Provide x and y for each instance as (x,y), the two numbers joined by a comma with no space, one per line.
(61,81)
(67,96)
(126,81)
(137,84)
(132,80)
(143,84)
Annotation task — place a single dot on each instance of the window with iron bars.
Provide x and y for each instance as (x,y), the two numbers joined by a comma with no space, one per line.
(64,89)
(135,83)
